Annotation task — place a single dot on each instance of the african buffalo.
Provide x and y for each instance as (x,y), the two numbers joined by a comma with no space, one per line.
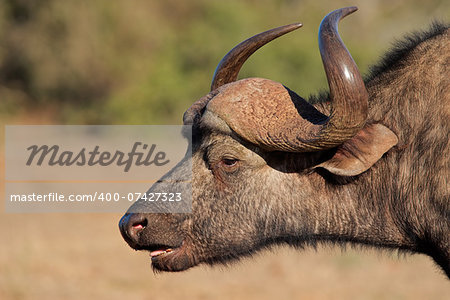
(366,164)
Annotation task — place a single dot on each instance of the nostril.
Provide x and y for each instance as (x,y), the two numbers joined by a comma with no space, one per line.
(131,225)
(136,223)
(139,225)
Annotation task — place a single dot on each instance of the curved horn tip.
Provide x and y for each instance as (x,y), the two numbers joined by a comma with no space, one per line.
(345,11)
(332,19)
(296,25)
(228,68)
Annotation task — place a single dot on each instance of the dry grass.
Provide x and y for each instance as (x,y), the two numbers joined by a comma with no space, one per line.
(74,256)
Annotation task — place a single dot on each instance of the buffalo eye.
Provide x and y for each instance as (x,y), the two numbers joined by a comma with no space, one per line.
(229,161)
(229,164)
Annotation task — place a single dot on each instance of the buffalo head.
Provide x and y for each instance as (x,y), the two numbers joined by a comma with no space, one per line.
(256,151)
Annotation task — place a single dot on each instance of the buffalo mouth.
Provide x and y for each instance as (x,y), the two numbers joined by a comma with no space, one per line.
(169,258)
(160,251)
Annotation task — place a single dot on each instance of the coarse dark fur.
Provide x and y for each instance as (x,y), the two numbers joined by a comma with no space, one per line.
(422,155)
(401,48)
(263,198)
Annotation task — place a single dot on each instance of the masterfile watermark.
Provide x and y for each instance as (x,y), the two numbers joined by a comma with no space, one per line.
(97,168)
(52,155)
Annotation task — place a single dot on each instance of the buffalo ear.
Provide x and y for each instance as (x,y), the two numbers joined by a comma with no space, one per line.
(359,153)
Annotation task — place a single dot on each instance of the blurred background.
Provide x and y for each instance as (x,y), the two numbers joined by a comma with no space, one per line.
(145,62)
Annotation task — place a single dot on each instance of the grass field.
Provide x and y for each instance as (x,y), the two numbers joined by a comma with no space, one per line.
(74,256)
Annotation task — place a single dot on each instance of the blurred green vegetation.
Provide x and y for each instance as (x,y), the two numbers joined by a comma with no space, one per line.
(145,62)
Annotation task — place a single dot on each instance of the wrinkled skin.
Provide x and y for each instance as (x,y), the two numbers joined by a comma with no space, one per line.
(246,198)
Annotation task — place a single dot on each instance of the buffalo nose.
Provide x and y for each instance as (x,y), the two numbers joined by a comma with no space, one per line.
(131,224)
